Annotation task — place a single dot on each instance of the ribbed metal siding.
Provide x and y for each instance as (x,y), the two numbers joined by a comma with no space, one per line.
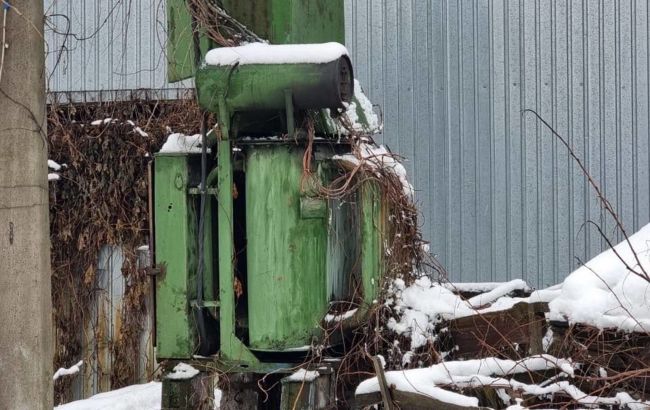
(95,46)
(500,197)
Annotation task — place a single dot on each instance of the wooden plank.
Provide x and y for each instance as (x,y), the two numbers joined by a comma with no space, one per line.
(536,325)
(383,386)
(408,400)
(499,332)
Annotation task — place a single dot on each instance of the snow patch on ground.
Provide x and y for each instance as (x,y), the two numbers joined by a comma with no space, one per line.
(263,53)
(136,397)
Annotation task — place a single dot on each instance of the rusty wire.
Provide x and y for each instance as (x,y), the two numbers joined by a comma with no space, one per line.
(403,251)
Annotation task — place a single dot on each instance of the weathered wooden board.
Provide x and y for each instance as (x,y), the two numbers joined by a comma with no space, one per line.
(407,400)
(511,333)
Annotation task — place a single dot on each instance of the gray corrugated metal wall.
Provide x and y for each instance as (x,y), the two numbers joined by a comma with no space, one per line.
(95,48)
(500,197)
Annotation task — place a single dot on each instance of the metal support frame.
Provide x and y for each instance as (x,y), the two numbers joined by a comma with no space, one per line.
(231,347)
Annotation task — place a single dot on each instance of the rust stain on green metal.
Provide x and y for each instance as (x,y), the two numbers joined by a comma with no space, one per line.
(282,313)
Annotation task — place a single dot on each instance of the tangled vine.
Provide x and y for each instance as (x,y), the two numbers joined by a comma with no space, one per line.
(101,199)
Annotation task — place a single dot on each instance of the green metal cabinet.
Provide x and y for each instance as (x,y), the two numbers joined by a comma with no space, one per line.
(287,251)
(177,255)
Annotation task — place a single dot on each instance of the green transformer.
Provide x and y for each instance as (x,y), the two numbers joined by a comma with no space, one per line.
(251,253)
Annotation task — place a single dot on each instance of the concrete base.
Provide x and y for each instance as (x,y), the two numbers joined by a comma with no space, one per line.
(317,394)
(189,394)
(251,391)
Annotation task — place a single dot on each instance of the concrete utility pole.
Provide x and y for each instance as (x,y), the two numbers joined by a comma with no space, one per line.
(25,299)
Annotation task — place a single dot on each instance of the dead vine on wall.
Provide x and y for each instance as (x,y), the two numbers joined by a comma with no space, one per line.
(101,199)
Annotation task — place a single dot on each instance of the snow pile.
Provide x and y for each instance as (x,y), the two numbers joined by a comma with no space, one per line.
(263,53)
(377,157)
(178,143)
(182,371)
(69,371)
(493,372)
(422,305)
(604,293)
(469,373)
(136,397)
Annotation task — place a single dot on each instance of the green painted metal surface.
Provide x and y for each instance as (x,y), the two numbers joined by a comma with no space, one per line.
(373,227)
(231,347)
(278,21)
(295,260)
(180,46)
(291,21)
(343,239)
(176,251)
(259,87)
(287,284)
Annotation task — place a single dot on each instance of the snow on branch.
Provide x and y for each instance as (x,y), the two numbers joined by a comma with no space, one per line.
(69,371)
